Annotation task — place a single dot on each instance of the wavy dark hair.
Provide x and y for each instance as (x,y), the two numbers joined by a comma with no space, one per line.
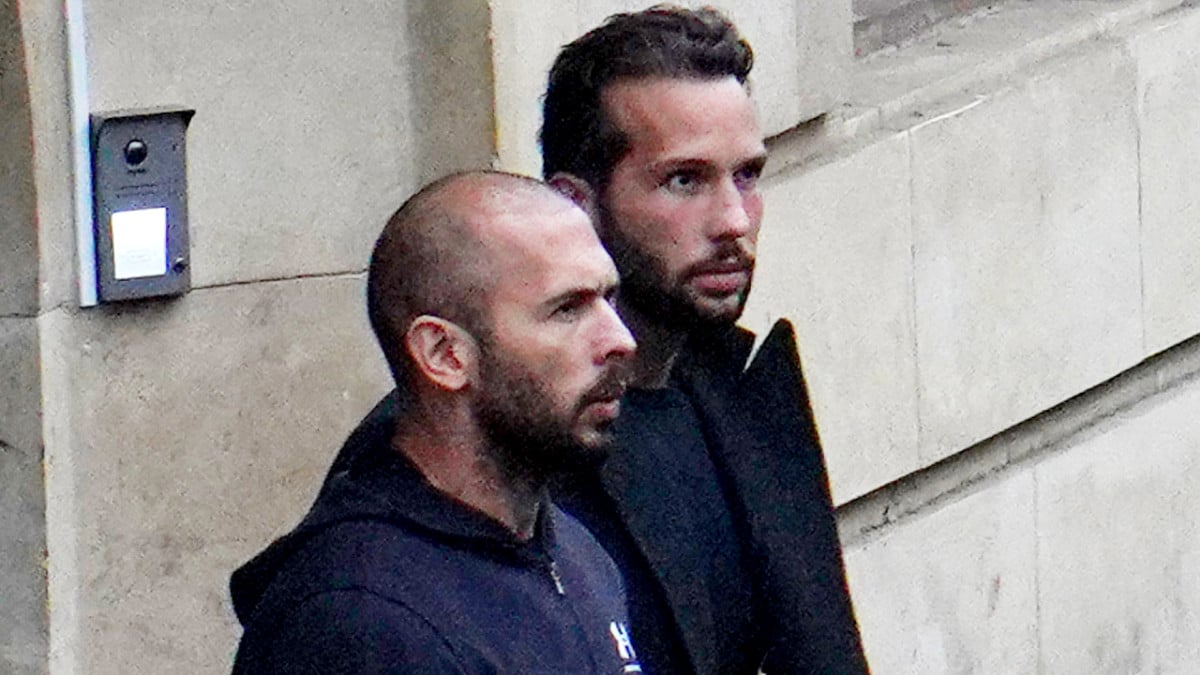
(664,41)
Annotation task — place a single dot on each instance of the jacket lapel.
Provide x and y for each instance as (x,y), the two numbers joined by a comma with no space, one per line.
(669,529)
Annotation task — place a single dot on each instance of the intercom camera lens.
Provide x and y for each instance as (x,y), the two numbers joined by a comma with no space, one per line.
(135,152)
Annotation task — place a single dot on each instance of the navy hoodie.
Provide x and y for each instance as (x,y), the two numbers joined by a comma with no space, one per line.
(388,575)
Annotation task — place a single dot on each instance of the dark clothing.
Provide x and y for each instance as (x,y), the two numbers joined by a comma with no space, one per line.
(388,575)
(761,435)
(729,546)
(661,478)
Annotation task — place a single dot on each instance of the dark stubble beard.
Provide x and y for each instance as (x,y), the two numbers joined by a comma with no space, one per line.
(647,288)
(529,438)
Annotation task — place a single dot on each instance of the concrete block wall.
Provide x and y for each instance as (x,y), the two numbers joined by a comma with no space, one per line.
(984,231)
(23,635)
(1078,560)
(1168,85)
(23,592)
(994,284)
(980,258)
(198,430)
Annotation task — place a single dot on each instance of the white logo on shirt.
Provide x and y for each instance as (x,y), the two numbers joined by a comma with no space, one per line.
(620,636)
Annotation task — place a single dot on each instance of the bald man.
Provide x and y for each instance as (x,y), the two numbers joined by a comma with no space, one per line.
(492,300)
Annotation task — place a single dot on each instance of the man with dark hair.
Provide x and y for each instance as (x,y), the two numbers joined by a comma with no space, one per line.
(732,562)
(492,299)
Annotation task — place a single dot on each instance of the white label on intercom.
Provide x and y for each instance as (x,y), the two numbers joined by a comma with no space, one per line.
(139,243)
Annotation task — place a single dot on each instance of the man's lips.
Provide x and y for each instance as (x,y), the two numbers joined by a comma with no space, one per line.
(608,408)
(721,279)
(606,399)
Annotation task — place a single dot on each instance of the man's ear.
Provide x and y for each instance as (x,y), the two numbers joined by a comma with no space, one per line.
(443,352)
(577,190)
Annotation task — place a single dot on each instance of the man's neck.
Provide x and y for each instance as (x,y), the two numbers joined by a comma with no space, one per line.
(459,465)
(658,348)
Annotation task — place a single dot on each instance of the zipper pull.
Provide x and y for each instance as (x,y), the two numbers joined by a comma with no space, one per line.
(558,586)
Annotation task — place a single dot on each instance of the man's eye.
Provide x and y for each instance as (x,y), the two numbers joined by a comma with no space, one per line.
(747,178)
(568,310)
(683,182)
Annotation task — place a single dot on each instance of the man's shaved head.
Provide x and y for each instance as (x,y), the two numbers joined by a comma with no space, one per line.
(434,257)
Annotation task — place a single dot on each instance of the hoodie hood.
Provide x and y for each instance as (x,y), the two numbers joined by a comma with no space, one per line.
(389,489)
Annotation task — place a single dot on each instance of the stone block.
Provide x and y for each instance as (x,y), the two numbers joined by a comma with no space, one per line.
(835,257)
(198,430)
(23,632)
(20,388)
(1119,544)
(450,65)
(1026,248)
(301,143)
(46,201)
(18,220)
(525,39)
(1168,62)
(953,590)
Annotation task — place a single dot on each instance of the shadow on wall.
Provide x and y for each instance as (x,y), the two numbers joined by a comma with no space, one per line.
(18,231)
(451,65)
(889,23)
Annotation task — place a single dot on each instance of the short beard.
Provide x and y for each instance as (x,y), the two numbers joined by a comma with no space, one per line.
(517,417)
(647,288)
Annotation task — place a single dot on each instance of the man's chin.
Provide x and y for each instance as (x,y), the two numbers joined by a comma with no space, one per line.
(718,311)
(593,446)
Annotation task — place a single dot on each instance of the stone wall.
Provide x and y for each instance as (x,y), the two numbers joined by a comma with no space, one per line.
(985,240)
(23,634)
(996,311)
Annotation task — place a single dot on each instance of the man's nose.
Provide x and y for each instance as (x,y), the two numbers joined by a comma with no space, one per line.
(733,219)
(615,339)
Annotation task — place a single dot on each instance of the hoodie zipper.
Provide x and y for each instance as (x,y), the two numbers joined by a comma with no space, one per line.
(556,578)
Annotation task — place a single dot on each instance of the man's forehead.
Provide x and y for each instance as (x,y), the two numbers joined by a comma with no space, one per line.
(641,93)
(555,246)
(661,109)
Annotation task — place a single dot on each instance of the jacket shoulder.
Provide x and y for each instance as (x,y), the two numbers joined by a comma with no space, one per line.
(350,630)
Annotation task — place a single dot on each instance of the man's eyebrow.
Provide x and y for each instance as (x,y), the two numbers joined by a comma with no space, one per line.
(757,162)
(678,163)
(605,289)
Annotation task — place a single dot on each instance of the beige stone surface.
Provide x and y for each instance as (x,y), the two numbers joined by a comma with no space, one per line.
(1026,248)
(18,224)
(1168,59)
(525,38)
(23,632)
(999,43)
(953,590)
(44,32)
(57,346)
(451,79)
(1119,544)
(199,429)
(301,143)
(824,58)
(835,257)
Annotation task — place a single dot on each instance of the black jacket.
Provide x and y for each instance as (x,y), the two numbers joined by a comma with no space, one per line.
(388,575)
(761,438)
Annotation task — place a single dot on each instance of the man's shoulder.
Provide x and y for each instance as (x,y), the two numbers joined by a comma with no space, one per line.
(353,554)
(349,630)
